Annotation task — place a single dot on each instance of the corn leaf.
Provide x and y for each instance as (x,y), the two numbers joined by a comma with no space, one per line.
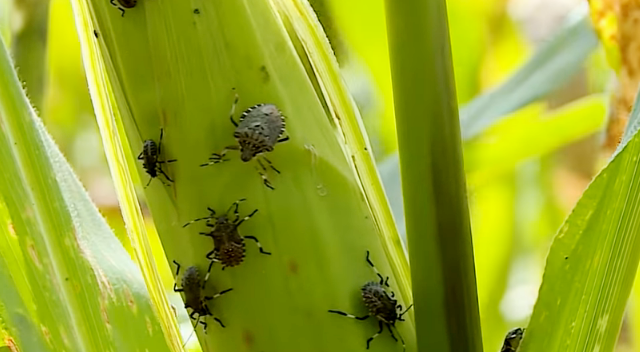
(67,283)
(593,260)
(173,66)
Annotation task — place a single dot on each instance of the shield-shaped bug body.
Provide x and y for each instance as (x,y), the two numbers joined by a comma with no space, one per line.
(512,340)
(380,305)
(228,244)
(192,286)
(124,4)
(151,162)
(261,127)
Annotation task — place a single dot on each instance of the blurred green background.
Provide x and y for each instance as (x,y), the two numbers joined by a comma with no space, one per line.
(516,207)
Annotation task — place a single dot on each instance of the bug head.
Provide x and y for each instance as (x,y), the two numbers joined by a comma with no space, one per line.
(516,333)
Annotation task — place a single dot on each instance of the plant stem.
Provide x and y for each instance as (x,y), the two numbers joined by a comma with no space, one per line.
(437,216)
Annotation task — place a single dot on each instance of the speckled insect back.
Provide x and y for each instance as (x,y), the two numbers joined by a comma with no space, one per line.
(228,244)
(124,4)
(151,159)
(512,340)
(192,286)
(380,304)
(261,127)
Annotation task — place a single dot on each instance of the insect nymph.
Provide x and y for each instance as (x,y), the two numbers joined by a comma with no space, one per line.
(124,4)
(192,287)
(261,127)
(228,244)
(151,162)
(380,304)
(512,340)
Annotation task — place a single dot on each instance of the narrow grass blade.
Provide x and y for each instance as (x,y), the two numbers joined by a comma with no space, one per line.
(437,215)
(78,289)
(593,260)
(553,64)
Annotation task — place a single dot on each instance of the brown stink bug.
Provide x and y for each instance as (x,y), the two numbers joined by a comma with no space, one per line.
(124,4)
(192,287)
(380,304)
(261,127)
(228,245)
(151,162)
(512,340)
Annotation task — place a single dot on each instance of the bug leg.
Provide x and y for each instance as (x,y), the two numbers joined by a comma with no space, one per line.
(382,279)
(259,245)
(160,141)
(204,326)
(148,183)
(176,288)
(391,332)
(177,267)
(271,165)
(404,347)
(376,334)
(211,256)
(348,315)
(139,155)
(192,315)
(206,277)
(219,322)
(235,204)
(266,181)
(233,109)
(217,158)
(164,174)
(238,223)
(194,220)
(283,139)
(218,294)
(121,10)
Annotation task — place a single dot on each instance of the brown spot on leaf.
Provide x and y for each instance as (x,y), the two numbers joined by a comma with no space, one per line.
(130,301)
(46,333)
(248,338)
(293,267)
(11,343)
(31,248)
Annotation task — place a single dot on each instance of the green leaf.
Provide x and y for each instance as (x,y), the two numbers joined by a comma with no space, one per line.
(551,66)
(173,66)
(593,260)
(67,283)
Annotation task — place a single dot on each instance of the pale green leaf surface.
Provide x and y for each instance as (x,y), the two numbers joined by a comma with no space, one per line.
(593,261)
(173,67)
(70,286)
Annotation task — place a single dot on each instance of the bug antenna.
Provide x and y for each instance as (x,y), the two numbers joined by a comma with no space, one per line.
(192,332)
(405,311)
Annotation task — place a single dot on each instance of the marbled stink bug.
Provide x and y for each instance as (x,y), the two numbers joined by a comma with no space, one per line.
(228,244)
(380,304)
(512,340)
(192,287)
(124,4)
(151,162)
(261,127)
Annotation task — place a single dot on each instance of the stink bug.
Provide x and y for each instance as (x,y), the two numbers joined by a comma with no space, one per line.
(380,304)
(261,127)
(124,4)
(512,340)
(150,156)
(192,287)
(228,245)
